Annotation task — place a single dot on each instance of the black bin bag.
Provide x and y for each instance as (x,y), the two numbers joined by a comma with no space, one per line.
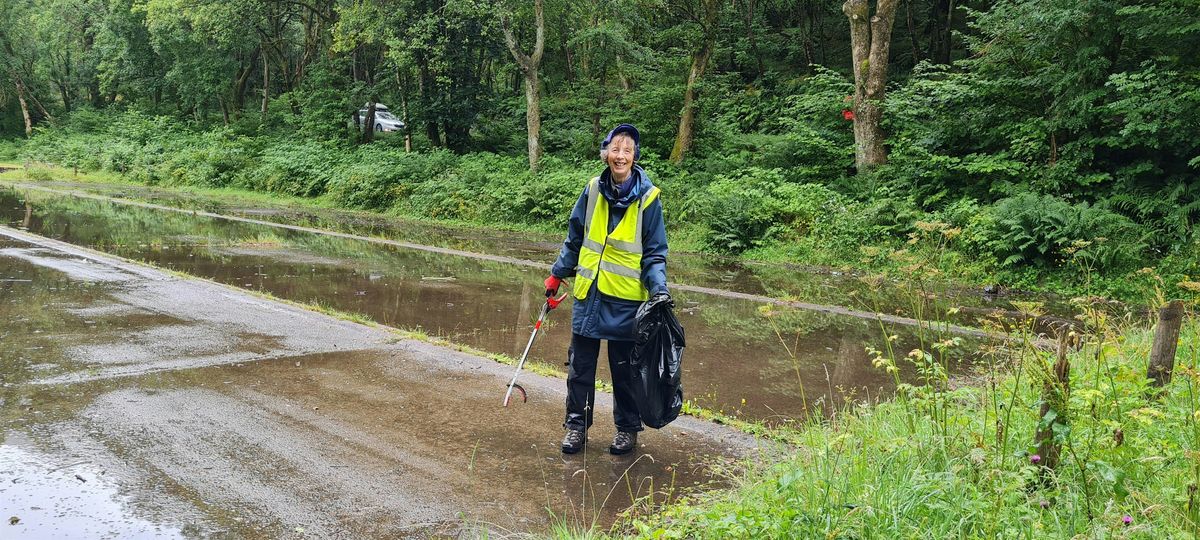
(657,354)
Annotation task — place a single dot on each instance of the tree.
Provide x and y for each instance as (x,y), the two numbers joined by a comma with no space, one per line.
(870,41)
(19,53)
(206,46)
(127,63)
(529,66)
(704,14)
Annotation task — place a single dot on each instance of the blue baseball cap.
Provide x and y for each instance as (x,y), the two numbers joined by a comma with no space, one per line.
(626,129)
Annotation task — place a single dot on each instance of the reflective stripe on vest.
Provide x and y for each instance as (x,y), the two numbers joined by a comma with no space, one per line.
(613,261)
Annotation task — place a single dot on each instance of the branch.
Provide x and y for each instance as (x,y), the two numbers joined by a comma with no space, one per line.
(511,41)
(311,8)
(539,42)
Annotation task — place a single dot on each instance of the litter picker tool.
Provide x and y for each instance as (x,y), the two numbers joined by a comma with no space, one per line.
(550,304)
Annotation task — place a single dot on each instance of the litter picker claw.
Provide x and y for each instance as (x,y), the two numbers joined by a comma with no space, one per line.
(551,303)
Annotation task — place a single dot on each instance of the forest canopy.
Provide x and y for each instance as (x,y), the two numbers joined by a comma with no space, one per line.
(1049,133)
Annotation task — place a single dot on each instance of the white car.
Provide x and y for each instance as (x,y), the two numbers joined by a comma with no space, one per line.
(385,121)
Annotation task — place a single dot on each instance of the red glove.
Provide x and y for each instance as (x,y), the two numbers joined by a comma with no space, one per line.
(552,284)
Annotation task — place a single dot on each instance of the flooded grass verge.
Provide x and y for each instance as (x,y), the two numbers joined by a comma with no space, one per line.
(742,361)
(788,282)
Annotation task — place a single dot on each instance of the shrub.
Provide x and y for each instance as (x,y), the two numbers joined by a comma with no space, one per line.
(380,178)
(755,207)
(10,149)
(295,168)
(211,159)
(39,173)
(474,189)
(546,197)
(1046,231)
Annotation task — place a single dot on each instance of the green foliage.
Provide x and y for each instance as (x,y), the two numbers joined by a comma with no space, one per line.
(938,462)
(321,103)
(1087,109)
(301,169)
(378,178)
(9,149)
(757,206)
(1049,232)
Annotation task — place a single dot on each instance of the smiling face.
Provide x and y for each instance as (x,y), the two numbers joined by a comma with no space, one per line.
(620,157)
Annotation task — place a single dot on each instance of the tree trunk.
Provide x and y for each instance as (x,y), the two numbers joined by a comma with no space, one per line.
(368,124)
(266,87)
(533,120)
(687,117)
(402,82)
(750,6)
(65,94)
(93,81)
(870,42)
(912,32)
(238,89)
(569,58)
(41,109)
(529,68)
(707,19)
(948,35)
(939,31)
(425,86)
(94,95)
(24,106)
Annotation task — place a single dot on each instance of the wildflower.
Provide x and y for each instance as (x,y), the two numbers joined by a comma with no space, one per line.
(848,114)
(1035,459)
(1127,519)
(926,226)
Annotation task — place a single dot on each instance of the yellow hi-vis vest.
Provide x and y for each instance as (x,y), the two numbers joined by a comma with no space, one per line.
(614,260)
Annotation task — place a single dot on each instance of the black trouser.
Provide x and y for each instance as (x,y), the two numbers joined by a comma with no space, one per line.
(581,383)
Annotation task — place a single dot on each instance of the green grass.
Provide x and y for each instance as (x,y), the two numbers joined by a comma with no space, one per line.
(938,462)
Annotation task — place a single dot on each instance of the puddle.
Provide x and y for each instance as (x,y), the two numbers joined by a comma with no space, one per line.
(762,365)
(813,284)
(37,318)
(404,439)
(55,496)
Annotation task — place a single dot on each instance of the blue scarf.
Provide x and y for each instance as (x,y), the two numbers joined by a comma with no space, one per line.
(623,195)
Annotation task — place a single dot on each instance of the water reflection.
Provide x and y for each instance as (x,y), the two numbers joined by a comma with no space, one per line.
(759,364)
(45,497)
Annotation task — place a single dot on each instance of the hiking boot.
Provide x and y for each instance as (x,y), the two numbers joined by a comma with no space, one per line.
(573,441)
(623,443)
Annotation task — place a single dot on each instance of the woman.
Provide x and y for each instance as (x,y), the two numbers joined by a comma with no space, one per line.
(616,248)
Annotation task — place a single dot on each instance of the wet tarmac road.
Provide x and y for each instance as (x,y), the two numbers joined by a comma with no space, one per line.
(135,403)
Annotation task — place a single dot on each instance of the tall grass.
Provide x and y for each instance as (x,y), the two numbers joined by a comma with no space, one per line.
(950,460)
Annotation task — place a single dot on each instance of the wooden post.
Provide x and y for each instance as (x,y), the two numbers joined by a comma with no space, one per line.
(1166,339)
(1054,398)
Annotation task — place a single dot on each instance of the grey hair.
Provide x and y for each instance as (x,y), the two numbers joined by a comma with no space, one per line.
(604,148)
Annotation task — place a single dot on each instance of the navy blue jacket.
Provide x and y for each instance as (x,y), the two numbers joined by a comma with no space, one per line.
(599,315)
